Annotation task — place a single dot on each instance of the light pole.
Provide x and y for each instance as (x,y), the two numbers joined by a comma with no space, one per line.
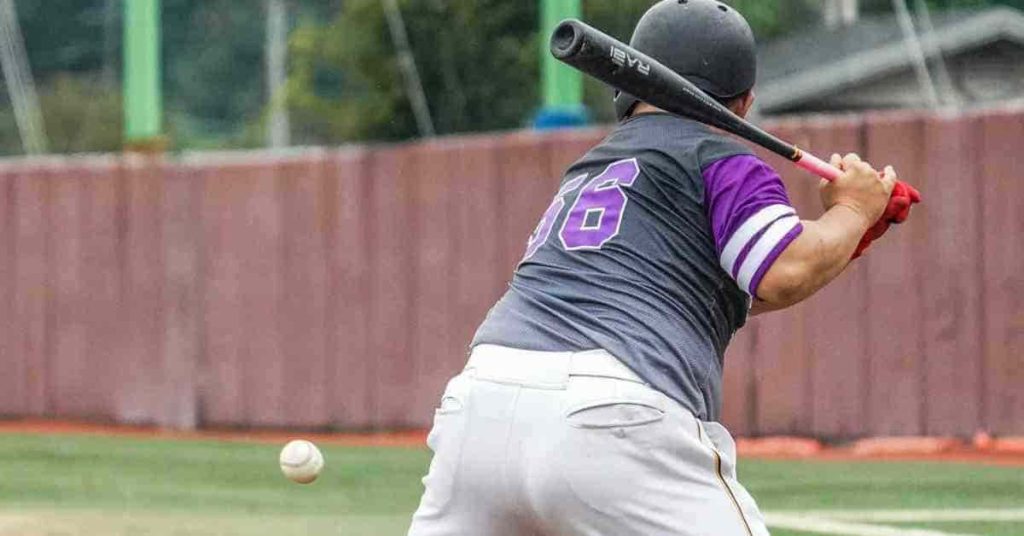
(561,86)
(143,113)
(278,128)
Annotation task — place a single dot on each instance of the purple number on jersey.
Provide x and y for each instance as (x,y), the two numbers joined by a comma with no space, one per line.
(595,217)
(543,230)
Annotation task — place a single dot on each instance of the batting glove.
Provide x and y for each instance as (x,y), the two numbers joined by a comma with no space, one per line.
(904,196)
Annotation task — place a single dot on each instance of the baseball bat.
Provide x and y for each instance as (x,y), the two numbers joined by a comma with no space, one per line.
(621,66)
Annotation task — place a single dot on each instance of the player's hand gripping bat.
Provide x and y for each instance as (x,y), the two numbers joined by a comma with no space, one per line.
(621,66)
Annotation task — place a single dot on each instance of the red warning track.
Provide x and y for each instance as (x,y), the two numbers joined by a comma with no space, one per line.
(406,439)
(984,450)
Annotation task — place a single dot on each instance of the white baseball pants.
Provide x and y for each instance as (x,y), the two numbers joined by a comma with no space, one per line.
(575,444)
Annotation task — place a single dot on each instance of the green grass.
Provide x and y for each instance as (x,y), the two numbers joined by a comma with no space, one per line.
(201,488)
(881,485)
(77,486)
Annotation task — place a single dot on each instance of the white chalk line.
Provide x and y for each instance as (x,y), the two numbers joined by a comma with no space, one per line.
(916,516)
(846,528)
(866,522)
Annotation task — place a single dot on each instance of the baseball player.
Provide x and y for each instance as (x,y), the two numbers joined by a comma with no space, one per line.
(589,403)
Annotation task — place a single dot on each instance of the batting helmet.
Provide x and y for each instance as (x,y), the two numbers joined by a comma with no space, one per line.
(706,41)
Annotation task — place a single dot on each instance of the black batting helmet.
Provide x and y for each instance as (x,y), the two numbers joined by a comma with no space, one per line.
(706,41)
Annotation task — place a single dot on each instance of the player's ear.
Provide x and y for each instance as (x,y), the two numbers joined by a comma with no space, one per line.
(744,103)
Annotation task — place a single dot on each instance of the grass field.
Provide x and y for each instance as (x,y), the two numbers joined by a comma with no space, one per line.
(71,486)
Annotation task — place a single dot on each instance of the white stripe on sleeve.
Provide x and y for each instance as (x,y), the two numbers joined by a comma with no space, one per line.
(754,224)
(763,249)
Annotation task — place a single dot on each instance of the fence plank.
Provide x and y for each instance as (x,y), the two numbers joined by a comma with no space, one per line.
(103,253)
(739,389)
(478,236)
(12,397)
(1003,280)
(181,299)
(241,215)
(258,236)
(29,323)
(72,374)
(303,305)
(391,283)
(351,258)
(432,345)
(220,382)
(139,393)
(781,370)
(836,318)
(952,287)
(895,393)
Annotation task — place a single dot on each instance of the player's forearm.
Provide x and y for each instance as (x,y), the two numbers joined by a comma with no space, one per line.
(814,259)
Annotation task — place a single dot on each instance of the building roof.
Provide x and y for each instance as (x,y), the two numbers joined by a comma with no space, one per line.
(816,63)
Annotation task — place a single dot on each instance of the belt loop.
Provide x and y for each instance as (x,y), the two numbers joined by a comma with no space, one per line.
(544,370)
(600,363)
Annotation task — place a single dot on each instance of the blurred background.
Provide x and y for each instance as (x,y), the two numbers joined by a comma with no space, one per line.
(224,223)
(327,72)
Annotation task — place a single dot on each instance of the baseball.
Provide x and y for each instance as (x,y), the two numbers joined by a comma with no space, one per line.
(301,461)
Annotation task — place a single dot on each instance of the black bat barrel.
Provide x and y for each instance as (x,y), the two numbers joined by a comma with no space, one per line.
(602,56)
(567,39)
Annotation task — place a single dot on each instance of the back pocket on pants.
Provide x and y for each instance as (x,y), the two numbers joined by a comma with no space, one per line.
(614,414)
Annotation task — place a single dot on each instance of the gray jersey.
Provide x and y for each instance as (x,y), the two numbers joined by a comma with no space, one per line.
(626,259)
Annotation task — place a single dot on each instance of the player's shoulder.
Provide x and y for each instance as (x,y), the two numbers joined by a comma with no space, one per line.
(682,139)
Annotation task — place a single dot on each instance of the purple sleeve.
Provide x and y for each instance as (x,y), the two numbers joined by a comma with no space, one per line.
(751,217)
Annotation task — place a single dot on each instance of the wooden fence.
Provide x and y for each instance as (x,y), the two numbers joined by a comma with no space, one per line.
(339,289)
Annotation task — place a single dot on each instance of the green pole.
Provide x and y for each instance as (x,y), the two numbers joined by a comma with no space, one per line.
(561,86)
(142,99)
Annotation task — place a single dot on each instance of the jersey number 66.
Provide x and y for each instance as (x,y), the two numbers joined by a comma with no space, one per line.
(597,214)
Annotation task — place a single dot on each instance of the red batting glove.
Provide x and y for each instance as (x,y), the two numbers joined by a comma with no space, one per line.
(903,197)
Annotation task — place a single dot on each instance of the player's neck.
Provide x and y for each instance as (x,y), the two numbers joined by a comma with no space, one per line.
(644,108)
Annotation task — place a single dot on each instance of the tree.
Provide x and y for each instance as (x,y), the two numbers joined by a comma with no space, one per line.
(475,58)
(213,70)
(61,35)
(81,115)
